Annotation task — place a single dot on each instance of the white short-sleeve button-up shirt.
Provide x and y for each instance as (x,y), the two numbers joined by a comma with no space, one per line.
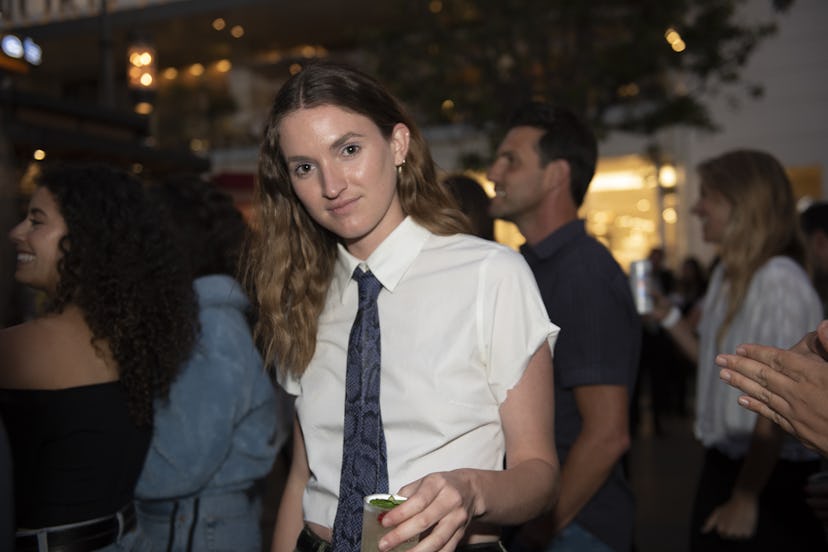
(460,318)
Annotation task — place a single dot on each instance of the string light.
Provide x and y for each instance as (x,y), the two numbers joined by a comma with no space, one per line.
(674,39)
(141,71)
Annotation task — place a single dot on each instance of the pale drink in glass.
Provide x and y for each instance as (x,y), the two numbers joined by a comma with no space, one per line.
(372,529)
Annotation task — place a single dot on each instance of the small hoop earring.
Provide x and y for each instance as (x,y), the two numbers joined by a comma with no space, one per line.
(400,168)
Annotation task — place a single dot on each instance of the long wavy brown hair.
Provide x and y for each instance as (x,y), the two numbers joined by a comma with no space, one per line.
(290,258)
(763,219)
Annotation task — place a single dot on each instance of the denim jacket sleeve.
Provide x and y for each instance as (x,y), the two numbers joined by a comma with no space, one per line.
(218,429)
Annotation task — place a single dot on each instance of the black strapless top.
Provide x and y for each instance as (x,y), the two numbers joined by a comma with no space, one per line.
(77,453)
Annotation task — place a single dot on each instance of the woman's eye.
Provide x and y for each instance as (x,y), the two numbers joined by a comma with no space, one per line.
(351,149)
(302,169)
(34,222)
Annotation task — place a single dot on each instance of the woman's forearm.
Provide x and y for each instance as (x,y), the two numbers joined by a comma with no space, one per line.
(761,458)
(290,517)
(685,337)
(515,495)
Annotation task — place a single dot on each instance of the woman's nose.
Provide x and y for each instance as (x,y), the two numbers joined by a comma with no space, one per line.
(333,183)
(16,233)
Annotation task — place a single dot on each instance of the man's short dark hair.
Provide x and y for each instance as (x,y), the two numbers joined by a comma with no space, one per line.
(566,137)
(815,218)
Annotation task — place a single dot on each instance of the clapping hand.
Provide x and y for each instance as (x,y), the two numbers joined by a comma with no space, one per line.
(789,387)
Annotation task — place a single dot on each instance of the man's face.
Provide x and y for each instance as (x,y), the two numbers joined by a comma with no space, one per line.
(517,175)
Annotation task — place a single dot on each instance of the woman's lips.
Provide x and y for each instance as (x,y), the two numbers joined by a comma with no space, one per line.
(340,206)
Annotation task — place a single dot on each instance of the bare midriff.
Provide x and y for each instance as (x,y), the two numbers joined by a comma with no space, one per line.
(475,533)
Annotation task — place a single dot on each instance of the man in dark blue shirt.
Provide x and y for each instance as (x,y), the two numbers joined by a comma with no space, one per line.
(541,174)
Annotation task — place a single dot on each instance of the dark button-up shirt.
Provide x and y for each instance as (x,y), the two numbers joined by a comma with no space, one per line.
(588,295)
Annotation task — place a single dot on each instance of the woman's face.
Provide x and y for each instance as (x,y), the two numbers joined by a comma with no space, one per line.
(36,239)
(714,211)
(344,172)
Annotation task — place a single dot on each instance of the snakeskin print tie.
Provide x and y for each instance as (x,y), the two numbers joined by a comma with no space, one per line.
(364,469)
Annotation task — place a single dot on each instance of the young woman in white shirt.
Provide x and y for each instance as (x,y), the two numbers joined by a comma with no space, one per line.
(347,180)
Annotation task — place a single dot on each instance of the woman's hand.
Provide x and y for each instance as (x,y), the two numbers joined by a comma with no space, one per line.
(786,386)
(441,505)
(736,518)
(439,508)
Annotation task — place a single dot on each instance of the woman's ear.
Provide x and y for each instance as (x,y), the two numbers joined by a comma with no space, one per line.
(400,137)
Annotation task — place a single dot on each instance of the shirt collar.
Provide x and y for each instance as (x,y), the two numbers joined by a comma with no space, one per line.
(554,242)
(389,261)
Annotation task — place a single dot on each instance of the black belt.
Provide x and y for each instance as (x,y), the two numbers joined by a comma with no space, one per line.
(83,537)
(310,542)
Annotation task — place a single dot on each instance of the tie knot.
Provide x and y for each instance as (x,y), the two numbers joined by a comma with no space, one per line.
(369,286)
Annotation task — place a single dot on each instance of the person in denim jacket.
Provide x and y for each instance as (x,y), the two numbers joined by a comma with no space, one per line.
(217,436)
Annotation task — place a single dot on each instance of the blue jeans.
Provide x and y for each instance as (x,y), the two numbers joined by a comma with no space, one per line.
(573,538)
(211,523)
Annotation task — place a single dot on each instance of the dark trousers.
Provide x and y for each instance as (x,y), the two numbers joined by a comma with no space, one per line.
(785,521)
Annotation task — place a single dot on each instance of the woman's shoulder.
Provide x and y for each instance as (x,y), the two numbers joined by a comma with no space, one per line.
(52,352)
(462,246)
(781,280)
(466,254)
(29,338)
(782,268)
(13,340)
(24,349)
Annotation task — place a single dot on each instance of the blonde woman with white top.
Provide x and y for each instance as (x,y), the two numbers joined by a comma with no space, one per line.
(750,490)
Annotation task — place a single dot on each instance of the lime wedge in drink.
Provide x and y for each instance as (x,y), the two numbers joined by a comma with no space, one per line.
(386,503)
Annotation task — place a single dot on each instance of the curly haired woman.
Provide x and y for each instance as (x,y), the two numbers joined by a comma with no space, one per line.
(78,383)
